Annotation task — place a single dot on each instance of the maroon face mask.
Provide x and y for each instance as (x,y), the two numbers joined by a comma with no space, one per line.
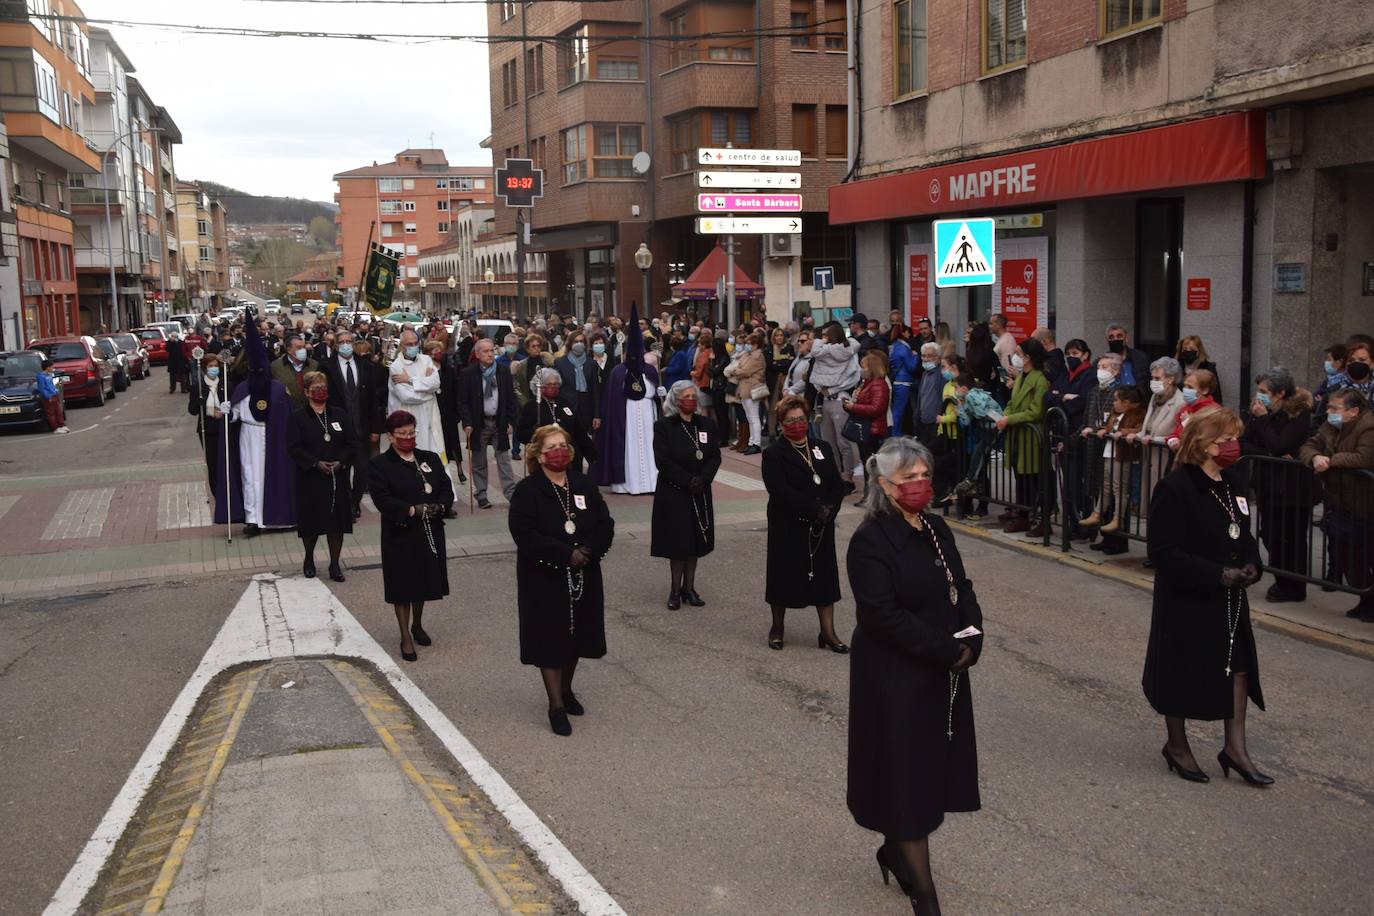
(687,405)
(403,443)
(1228,453)
(795,429)
(558,458)
(915,495)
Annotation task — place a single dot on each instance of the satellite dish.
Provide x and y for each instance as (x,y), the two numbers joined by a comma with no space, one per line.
(641,162)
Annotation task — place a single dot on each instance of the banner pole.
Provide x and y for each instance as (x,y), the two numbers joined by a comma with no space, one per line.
(367,256)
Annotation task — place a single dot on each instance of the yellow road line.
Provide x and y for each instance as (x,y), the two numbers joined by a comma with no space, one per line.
(444,797)
(171,865)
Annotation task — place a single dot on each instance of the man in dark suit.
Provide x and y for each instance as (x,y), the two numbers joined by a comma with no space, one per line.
(858,330)
(324,350)
(1135,364)
(359,390)
(291,368)
(488,411)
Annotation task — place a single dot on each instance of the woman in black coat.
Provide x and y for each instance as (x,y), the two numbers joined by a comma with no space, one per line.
(320,443)
(1201,661)
(412,491)
(804,493)
(687,452)
(562,529)
(1280,422)
(548,407)
(912,754)
(209,390)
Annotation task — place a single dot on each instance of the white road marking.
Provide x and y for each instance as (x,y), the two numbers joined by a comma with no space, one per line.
(738,481)
(182,505)
(281,618)
(106,417)
(7,503)
(81,515)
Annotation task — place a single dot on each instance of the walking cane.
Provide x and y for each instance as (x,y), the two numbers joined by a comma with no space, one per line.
(198,354)
(228,478)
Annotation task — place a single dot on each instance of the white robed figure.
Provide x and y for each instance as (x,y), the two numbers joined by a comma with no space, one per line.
(260,407)
(414,386)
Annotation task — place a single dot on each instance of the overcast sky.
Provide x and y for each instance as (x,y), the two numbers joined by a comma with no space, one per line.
(282,115)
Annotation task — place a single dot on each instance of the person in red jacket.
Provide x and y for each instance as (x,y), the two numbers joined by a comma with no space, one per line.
(1197,395)
(871,402)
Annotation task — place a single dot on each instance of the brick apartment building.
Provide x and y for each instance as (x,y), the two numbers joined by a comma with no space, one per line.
(1179,168)
(409,204)
(582,106)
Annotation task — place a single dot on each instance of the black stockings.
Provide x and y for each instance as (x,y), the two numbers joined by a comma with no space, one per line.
(1178,742)
(408,615)
(335,542)
(684,575)
(826,613)
(1235,729)
(558,683)
(912,859)
(676,568)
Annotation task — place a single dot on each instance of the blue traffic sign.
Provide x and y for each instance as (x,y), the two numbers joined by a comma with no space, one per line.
(964,252)
(823,278)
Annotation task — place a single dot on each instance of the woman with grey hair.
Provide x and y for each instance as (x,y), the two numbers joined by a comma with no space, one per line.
(683,528)
(912,754)
(1161,413)
(1280,420)
(550,407)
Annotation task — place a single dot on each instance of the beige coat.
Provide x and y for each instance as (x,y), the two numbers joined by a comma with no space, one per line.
(749,373)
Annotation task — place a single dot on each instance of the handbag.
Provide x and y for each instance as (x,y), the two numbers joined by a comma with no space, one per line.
(855,430)
(758,393)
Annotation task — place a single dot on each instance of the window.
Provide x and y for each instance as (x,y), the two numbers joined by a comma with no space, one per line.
(442,206)
(801,23)
(910,33)
(679,52)
(388,229)
(824,245)
(510,91)
(737,53)
(572,57)
(534,70)
(1121,15)
(410,229)
(617,68)
(507,10)
(408,206)
(616,145)
(408,184)
(443,228)
(460,184)
(804,130)
(539,150)
(205,253)
(412,250)
(390,206)
(836,22)
(575,154)
(836,131)
(1004,34)
(441,184)
(412,272)
(202,227)
(731,128)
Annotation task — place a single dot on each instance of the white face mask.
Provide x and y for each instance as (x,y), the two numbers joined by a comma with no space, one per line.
(1156,386)
(1017,362)
(1104,377)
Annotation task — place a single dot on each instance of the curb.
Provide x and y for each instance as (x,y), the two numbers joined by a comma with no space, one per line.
(1263,619)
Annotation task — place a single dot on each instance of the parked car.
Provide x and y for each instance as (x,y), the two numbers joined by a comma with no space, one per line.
(111,351)
(83,371)
(271,307)
(155,342)
(170,327)
(187,321)
(139,364)
(20,405)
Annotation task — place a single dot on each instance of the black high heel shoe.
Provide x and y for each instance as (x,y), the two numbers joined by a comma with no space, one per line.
(309,568)
(335,573)
(558,721)
(674,600)
(572,705)
(1255,778)
(837,647)
(691,597)
(409,656)
(420,636)
(885,868)
(1185,773)
(775,642)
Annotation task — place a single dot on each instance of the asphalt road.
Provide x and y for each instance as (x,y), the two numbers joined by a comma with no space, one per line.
(709,773)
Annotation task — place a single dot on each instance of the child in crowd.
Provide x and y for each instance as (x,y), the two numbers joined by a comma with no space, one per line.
(1119,458)
(976,411)
(52,399)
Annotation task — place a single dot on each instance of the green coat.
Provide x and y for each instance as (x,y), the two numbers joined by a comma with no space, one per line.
(1025,409)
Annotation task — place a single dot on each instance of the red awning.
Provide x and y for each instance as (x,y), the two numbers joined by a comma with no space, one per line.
(1227,147)
(702,282)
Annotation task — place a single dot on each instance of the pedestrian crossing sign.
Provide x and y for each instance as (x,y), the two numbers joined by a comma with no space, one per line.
(964,249)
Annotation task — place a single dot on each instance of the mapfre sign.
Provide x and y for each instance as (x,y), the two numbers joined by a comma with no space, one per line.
(1227,147)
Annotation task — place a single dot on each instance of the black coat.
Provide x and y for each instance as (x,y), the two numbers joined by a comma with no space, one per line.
(324,502)
(209,429)
(1278,435)
(561,412)
(1185,663)
(587,403)
(177,363)
(904,772)
(450,411)
(371,386)
(471,401)
(411,569)
(543,548)
(679,515)
(802,569)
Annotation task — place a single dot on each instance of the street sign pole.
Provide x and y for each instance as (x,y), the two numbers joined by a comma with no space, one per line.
(519,264)
(731,315)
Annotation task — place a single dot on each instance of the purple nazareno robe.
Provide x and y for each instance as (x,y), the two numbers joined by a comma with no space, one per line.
(279,484)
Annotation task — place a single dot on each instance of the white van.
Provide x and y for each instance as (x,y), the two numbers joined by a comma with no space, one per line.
(271,307)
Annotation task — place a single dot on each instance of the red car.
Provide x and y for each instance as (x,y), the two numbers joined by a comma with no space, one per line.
(155,342)
(83,372)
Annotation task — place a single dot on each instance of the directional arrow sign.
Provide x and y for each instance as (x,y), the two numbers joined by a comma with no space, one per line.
(749,225)
(749,203)
(749,156)
(749,180)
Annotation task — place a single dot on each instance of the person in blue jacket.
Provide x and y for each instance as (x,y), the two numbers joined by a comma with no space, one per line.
(902,366)
(1069,390)
(678,367)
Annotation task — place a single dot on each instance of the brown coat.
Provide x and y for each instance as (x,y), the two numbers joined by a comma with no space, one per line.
(1349,447)
(1131,422)
(749,373)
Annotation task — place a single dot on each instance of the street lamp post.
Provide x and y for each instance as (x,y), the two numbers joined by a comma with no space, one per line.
(423,283)
(452,285)
(644,259)
(490,276)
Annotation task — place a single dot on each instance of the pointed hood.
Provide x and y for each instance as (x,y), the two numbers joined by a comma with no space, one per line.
(259,370)
(634,357)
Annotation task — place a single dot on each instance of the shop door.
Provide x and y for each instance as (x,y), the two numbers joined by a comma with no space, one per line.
(1158,275)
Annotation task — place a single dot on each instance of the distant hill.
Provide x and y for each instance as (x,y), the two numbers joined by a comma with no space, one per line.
(253,208)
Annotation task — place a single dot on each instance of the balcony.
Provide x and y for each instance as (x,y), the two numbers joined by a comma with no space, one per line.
(174,282)
(99,258)
(698,85)
(98,197)
(169,201)
(165,158)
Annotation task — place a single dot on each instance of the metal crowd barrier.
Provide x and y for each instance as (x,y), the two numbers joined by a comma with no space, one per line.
(989,457)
